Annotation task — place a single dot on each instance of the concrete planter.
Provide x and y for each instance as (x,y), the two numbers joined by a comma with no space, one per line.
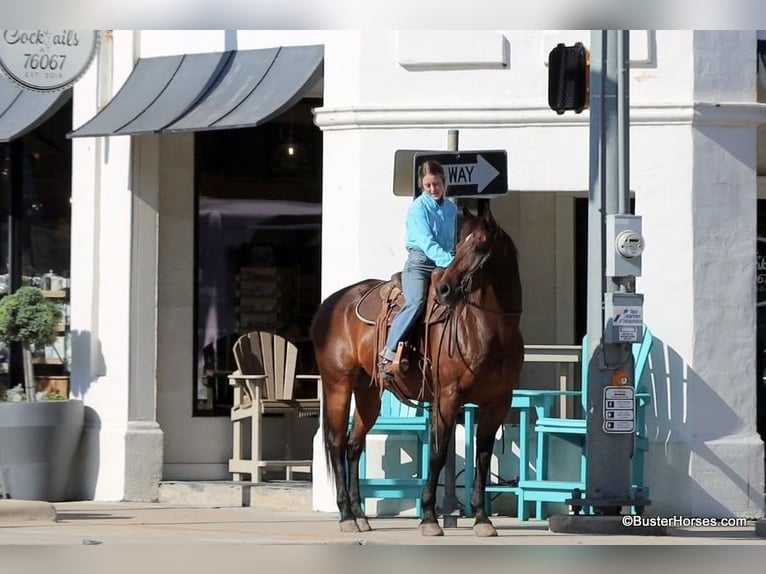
(38,442)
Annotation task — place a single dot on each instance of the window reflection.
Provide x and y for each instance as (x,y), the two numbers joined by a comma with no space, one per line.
(258,243)
(40,190)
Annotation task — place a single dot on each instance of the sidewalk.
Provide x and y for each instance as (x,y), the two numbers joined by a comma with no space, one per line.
(96,523)
(98,537)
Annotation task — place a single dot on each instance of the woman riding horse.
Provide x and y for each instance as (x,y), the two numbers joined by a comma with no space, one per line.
(473,353)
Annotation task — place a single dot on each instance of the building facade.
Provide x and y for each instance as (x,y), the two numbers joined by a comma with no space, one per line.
(149,196)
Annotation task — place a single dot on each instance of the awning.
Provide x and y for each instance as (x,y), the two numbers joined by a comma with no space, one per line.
(22,110)
(200,92)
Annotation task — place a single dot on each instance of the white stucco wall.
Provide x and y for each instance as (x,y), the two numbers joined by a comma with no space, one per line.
(100,289)
(692,172)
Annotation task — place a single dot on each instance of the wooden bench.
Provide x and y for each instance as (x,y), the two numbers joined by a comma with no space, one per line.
(535,408)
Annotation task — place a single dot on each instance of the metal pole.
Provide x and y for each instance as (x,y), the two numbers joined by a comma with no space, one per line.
(608,455)
(623,121)
(450,505)
(595,286)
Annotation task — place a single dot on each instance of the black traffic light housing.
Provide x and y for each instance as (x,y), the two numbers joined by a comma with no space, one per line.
(568,78)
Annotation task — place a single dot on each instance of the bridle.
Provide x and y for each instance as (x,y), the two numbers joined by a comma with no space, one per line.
(465,283)
(449,333)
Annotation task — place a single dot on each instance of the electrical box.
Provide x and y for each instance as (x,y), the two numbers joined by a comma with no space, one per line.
(625,244)
(624,317)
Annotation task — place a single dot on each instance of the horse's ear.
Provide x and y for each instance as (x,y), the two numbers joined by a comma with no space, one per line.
(466,212)
(488,217)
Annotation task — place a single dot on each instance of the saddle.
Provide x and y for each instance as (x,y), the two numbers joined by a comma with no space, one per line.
(379,298)
(378,307)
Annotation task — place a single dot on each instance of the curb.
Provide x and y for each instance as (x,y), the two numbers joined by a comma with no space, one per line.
(24,511)
(760,527)
(587,524)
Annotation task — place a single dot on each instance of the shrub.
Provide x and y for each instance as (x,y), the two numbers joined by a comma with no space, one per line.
(28,317)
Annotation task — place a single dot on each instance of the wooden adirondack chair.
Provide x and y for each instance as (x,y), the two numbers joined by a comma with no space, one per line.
(264,383)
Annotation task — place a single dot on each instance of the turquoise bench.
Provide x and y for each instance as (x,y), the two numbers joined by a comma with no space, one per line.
(533,484)
(397,418)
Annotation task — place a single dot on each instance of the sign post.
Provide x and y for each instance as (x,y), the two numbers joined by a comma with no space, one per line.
(476,175)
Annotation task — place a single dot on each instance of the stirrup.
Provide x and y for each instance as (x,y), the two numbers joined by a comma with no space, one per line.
(386,369)
(401,362)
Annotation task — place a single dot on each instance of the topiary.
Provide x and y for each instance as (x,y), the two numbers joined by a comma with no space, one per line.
(28,317)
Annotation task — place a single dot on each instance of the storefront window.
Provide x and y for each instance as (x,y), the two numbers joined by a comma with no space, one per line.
(40,192)
(258,244)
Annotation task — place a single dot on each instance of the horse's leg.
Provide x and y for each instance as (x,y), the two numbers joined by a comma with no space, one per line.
(489,420)
(442,427)
(367,409)
(337,401)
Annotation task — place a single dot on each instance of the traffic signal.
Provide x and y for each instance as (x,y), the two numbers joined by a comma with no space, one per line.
(568,71)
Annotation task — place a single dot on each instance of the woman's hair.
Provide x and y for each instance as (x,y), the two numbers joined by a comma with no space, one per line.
(431,167)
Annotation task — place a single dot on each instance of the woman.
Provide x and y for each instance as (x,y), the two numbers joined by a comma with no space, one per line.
(430,241)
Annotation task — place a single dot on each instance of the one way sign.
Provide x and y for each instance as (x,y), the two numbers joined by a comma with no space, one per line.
(470,173)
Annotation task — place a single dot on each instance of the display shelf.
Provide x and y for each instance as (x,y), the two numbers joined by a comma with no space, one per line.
(265,298)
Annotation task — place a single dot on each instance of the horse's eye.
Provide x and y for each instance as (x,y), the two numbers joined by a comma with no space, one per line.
(482,245)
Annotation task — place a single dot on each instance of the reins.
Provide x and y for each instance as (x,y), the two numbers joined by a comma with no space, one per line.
(449,335)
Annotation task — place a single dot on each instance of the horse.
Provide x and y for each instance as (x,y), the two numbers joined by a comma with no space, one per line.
(474,354)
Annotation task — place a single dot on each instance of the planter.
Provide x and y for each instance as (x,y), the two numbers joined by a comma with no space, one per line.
(37,444)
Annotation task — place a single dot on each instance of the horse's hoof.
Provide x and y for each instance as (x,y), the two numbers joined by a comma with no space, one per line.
(484,529)
(363,524)
(349,526)
(431,529)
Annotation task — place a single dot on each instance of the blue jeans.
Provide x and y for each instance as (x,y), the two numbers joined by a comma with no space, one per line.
(416,278)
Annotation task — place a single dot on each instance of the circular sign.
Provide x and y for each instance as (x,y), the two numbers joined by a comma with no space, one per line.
(46,60)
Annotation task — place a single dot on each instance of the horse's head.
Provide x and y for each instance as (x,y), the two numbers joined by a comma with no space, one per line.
(477,237)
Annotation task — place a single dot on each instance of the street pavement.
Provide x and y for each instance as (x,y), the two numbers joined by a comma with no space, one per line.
(82,537)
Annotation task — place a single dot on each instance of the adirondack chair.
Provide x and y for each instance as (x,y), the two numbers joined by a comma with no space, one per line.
(264,383)
(536,486)
(397,418)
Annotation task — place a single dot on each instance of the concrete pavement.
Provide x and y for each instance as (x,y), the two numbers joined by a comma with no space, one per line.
(118,537)
(123,523)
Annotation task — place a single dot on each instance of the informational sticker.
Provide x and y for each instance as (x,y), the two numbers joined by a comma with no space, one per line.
(628,315)
(619,409)
(628,333)
(618,392)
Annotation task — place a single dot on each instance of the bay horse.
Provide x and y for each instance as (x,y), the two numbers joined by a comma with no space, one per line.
(474,355)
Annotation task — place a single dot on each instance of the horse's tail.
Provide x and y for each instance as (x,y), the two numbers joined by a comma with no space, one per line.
(326,438)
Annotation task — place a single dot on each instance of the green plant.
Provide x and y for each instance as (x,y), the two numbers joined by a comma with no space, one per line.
(27,317)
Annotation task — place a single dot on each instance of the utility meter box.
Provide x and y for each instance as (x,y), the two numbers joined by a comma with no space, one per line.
(624,317)
(625,244)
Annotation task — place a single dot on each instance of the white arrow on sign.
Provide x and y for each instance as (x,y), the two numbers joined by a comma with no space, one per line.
(479,174)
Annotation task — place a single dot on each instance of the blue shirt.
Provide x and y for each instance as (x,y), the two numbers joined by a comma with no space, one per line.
(430,227)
